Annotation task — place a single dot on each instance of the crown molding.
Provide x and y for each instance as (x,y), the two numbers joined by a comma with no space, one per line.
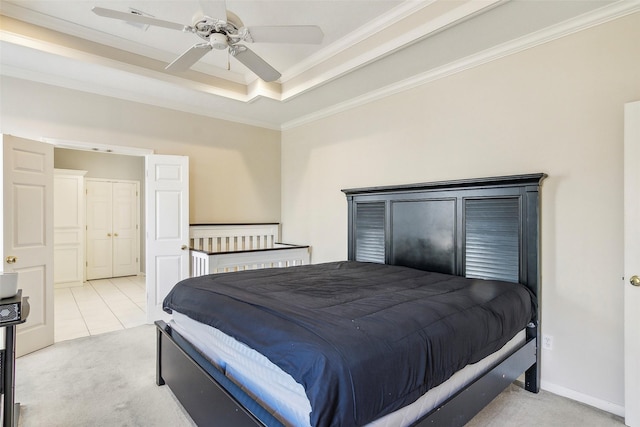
(373,42)
(583,22)
(373,27)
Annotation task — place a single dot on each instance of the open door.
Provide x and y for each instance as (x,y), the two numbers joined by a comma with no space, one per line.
(27,223)
(632,264)
(167,219)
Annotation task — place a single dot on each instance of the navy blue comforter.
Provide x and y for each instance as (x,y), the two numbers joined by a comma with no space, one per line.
(363,339)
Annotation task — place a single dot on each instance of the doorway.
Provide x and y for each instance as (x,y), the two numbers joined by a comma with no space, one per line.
(104,303)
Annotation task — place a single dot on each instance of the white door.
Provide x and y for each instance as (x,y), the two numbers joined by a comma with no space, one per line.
(167,219)
(68,227)
(28,234)
(112,228)
(632,263)
(99,238)
(125,229)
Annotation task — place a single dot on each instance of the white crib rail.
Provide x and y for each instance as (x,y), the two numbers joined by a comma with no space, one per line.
(233,237)
(203,263)
(236,247)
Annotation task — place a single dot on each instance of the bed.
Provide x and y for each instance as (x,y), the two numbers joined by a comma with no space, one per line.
(481,233)
(223,248)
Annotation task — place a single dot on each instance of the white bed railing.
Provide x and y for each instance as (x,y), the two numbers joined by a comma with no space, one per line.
(222,248)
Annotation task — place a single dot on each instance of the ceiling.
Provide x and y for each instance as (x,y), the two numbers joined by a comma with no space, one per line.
(370,49)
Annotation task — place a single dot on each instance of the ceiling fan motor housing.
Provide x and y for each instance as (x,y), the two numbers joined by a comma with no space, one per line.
(218,41)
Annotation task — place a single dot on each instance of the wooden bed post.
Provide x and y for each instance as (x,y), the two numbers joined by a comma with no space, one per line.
(532,233)
(159,379)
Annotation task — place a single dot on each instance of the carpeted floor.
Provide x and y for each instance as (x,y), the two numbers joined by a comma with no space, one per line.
(517,407)
(101,380)
(109,380)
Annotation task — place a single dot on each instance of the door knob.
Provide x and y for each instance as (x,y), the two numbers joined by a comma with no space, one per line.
(115,234)
(635,280)
(108,234)
(183,247)
(11,259)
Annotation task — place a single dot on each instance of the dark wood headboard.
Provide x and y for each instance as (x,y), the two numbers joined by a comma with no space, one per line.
(482,228)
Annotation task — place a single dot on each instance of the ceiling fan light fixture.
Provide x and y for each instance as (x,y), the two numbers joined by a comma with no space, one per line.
(218,41)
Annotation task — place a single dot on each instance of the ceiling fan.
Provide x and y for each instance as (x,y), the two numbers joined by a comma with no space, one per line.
(220,30)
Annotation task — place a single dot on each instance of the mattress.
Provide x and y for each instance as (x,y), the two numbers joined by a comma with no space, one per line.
(285,398)
(363,339)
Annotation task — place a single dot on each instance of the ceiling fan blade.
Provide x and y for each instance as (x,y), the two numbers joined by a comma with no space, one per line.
(214,9)
(253,62)
(190,57)
(286,34)
(132,17)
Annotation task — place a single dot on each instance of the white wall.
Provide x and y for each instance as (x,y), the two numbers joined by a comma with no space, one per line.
(234,168)
(556,108)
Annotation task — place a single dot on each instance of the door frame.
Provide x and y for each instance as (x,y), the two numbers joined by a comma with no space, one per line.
(631,263)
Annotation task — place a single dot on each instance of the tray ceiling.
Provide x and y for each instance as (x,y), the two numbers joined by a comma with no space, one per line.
(370,49)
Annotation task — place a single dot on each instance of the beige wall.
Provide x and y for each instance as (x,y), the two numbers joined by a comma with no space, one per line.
(101,165)
(234,169)
(556,108)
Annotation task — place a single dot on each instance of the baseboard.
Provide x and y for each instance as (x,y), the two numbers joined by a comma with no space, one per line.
(583,398)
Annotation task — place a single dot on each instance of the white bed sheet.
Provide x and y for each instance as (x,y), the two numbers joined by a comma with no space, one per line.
(285,398)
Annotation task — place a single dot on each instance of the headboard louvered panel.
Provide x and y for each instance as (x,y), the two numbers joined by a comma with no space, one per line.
(370,218)
(492,238)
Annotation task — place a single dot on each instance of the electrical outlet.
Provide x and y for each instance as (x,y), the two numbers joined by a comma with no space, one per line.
(547,342)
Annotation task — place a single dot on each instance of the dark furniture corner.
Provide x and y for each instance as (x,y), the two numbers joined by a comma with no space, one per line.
(13,311)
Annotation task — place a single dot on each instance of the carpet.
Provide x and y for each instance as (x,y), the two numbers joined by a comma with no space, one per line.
(101,380)
(109,380)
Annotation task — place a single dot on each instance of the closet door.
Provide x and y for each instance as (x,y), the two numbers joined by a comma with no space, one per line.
(112,228)
(99,229)
(125,228)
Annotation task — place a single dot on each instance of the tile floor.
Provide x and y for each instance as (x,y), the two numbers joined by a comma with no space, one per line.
(99,306)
